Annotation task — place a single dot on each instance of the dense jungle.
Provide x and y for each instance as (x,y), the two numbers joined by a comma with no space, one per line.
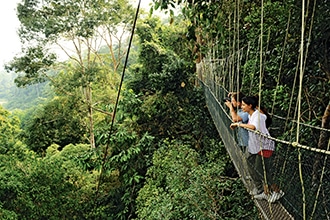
(120,129)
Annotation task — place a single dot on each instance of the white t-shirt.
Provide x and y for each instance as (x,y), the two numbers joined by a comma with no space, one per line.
(259,142)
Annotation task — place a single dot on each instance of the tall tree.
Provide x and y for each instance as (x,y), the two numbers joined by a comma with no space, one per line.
(80,29)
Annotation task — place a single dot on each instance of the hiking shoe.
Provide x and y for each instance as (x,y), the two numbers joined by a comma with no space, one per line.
(256,191)
(275,196)
(261,196)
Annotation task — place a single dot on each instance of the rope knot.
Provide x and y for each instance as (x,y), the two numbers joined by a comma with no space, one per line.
(294,144)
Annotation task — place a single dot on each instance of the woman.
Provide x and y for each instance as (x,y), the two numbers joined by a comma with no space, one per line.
(260,151)
(238,115)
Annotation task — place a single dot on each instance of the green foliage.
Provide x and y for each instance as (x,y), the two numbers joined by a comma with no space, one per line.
(9,134)
(169,69)
(178,187)
(176,117)
(59,121)
(54,187)
(5,214)
(52,18)
(130,156)
(171,106)
(34,63)
(60,185)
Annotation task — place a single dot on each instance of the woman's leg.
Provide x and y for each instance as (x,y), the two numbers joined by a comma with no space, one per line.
(263,170)
(252,167)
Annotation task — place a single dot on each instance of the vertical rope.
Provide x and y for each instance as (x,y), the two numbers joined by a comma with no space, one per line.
(229,57)
(244,67)
(259,93)
(326,157)
(281,63)
(310,32)
(254,69)
(238,49)
(321,181)
(234,48)
(261,50)
(301,68)
(266,49)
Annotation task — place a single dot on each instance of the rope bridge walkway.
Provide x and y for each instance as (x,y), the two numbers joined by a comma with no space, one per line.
(302,172)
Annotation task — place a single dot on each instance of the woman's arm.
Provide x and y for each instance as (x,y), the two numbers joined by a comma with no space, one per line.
(249,126)
(235,117)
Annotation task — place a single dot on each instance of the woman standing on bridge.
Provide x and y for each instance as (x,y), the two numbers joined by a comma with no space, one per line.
(260,151)
(238,115)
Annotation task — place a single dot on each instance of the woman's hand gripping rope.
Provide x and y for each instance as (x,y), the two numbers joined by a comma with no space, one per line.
(234,125)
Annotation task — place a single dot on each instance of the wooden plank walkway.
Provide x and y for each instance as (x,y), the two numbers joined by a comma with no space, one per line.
(272,211)
(269,211)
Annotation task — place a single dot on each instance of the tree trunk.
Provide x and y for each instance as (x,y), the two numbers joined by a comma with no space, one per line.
(322,144)
(88,97)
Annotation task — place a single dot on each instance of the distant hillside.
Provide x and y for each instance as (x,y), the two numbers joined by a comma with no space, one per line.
(12,97)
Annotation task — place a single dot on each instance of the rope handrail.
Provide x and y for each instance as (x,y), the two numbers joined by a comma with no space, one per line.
(307,125)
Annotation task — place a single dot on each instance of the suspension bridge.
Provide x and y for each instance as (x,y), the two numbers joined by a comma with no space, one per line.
(302,172)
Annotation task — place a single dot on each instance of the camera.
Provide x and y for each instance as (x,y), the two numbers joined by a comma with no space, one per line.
(227,99)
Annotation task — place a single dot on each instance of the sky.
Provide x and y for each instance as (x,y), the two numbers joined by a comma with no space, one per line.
(9,41)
